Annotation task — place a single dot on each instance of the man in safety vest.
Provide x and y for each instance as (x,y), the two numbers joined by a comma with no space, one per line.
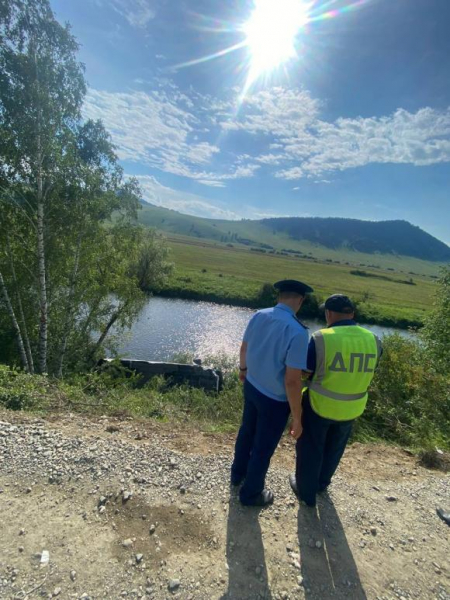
(342,361)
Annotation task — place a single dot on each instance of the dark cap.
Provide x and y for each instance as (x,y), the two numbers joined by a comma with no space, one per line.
(339,303)
(291,285)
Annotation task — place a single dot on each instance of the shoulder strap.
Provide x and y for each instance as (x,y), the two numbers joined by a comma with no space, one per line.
(300,323)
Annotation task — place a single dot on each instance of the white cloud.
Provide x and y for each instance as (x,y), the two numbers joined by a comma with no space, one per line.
(201,153)
(153,129)
(161,130)
(137,12)
(420,139)
(278,112)
(211,183)
(270,159)
(156,193)
(177,133)
(289,122)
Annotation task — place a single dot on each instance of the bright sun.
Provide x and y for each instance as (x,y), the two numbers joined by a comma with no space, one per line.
(271,32)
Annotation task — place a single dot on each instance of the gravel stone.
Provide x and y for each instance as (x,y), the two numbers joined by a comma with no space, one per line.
(174,584)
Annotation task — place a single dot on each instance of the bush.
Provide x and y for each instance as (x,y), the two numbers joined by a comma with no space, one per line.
(436,332)
(20,391)
(267,296)
(409,402)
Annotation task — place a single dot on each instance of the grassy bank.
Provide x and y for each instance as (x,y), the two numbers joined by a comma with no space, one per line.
(409,403)
(218,273)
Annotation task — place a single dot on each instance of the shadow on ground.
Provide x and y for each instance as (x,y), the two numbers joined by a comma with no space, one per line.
(247,574)
(328,571)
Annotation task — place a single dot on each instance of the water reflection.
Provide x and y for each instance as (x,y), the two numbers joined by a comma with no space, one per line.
(167,327)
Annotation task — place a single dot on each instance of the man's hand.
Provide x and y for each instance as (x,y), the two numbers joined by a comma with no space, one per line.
(293,383)
(296,428)
(243,362)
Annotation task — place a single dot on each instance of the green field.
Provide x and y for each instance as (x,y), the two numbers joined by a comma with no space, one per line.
(214,271)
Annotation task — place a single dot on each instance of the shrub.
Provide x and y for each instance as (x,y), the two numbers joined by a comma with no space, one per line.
(436,333)
(267,296)
(409,402)
(20,391)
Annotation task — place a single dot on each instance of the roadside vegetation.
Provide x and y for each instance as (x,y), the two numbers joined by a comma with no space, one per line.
(409,401)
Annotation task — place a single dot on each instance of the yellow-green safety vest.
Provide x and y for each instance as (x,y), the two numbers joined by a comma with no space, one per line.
(346,357)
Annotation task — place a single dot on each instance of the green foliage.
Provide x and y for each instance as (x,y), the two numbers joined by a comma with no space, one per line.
(266,296)
(21,391)
(409,402)
(436,333)
(73,262)
(107,393)
(387,237)
(360,273)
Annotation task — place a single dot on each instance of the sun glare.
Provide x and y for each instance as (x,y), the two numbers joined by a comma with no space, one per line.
(269,35)
(271,32)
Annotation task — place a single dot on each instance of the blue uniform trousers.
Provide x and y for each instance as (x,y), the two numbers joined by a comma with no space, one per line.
(319,450)
(263,423)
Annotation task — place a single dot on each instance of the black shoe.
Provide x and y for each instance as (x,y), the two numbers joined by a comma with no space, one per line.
(265,498)
(444,515)
(293,482)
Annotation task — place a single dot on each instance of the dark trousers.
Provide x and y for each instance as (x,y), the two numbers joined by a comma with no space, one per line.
(319,450)
(263,423)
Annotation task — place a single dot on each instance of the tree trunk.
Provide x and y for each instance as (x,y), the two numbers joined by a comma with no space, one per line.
(10,309)
(43,304)
(26,337)
(108,326)
(69,311)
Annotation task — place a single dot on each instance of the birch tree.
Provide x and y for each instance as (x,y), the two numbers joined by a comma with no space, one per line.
(71,254)
(41,92)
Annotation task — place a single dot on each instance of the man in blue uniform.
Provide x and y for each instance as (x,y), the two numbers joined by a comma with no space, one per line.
(272,358)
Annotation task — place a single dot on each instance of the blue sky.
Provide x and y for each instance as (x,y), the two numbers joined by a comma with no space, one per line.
(357,124)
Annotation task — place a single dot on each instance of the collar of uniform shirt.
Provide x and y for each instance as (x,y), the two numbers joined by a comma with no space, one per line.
(342,323)
(285,307)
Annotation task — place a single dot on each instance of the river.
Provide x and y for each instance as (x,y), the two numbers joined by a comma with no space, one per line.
(167,327)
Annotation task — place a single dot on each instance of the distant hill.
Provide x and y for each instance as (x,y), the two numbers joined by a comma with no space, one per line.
(385,237)
(291,233)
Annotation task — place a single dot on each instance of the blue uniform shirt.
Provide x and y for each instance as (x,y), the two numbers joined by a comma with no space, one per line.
(276,340)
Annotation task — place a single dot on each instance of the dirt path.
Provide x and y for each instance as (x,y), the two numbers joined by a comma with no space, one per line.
(64,485)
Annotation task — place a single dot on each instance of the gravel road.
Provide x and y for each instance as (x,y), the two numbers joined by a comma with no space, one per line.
(110,508)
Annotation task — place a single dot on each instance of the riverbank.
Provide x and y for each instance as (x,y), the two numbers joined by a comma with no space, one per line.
(408,402)
(366,314)
(235,276)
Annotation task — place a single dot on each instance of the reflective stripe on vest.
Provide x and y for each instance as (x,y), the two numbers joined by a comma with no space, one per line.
(346,357)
